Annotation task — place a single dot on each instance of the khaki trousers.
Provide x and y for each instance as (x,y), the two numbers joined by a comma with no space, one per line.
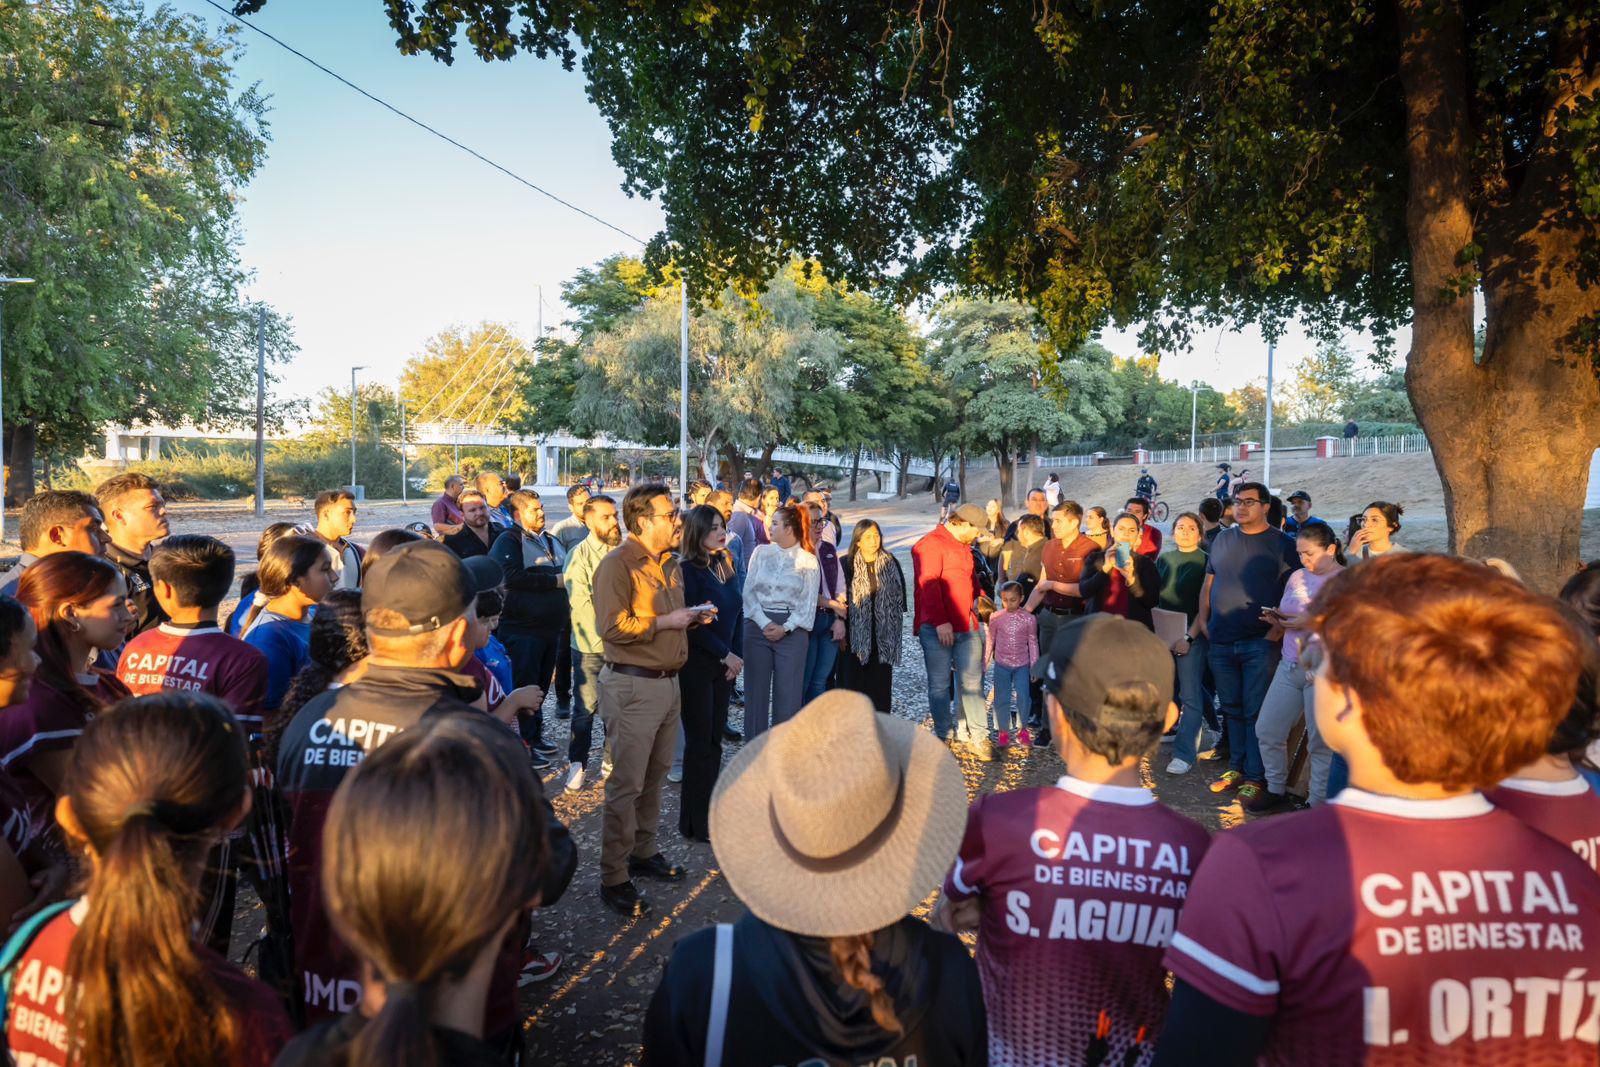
(641,719)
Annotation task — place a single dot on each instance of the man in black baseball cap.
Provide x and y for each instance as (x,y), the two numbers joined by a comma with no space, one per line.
(1300,512)
(1049,872)
(1109,680)
(418,603)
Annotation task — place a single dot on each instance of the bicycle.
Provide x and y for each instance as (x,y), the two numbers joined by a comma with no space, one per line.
(1154,506)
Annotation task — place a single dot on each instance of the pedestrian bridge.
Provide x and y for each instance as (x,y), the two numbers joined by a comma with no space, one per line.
(132,443)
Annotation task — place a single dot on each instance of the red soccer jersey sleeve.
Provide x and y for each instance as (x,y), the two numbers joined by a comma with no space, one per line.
(1384,931)
(1568,811)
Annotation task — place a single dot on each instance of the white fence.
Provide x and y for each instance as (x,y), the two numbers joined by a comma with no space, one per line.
(1403,444)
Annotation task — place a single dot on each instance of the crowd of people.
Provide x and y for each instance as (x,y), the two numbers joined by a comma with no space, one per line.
(364,741)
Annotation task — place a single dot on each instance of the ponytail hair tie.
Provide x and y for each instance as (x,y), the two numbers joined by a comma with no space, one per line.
(144,807)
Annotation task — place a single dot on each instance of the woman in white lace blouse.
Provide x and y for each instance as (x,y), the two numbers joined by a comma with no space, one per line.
(780,605)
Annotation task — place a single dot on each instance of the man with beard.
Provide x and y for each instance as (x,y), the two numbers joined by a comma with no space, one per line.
(477,533)
(641,619)
(534,622)
(588,651)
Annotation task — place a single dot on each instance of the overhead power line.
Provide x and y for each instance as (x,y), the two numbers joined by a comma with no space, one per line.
(474,153)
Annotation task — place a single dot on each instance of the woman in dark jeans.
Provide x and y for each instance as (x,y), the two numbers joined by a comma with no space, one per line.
(877,607)
(706,680)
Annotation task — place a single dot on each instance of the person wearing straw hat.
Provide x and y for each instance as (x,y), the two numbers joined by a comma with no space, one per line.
(829,967)
(1075,888)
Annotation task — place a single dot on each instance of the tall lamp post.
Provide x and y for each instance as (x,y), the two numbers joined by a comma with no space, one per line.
(1266,467)
(4,282)
(1194,414)
(353,426)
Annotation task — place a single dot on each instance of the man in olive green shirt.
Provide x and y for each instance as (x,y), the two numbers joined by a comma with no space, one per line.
(588,653)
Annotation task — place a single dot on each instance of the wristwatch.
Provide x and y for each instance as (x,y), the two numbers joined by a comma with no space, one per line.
(1189,638)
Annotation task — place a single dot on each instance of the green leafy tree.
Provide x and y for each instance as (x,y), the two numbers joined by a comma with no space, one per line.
(991,353)
(468,375)
(124,144)
(881,393)
(747,360)
(1249,405)
(1156,412)
(1383,399)
(1356,166)
(1325,385)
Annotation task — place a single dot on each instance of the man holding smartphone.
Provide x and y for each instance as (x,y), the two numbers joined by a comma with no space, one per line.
(641,618)
(1249,565)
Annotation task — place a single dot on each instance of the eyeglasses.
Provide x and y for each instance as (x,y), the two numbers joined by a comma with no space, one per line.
(1240,501)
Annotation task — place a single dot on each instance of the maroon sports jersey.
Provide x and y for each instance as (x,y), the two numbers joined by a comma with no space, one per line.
(200,659)
(1063,562)
(1568,811)
(1384,931)
(48,721)
(1082,884)
(36,1019)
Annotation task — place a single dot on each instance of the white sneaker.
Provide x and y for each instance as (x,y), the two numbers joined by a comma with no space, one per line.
(574,777)
(675,775)
(605,769)
(1178,766)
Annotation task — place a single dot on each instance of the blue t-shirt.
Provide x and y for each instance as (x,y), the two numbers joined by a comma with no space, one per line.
(497,661)
(1292,526)
(1248,573)
(287,645)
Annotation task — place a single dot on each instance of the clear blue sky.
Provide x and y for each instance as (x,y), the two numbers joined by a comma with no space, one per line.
(373,235)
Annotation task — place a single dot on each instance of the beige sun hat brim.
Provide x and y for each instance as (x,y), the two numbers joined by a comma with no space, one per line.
(887,884)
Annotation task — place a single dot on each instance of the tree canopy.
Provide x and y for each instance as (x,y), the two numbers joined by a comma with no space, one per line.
(1168,164)
(119,186)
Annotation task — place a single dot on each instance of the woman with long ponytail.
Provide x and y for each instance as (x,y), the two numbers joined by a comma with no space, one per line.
(118,979)
(432,855)
(296,573)
(79,606)
(251,598)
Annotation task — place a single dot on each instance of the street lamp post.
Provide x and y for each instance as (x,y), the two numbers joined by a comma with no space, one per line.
(353,426)
(1266,467)
(1194,413)
(4,282)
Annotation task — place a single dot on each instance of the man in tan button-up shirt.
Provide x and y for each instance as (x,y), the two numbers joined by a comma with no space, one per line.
(639,612)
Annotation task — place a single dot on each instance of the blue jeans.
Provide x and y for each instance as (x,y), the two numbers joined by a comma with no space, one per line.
(821,655)
(965,658)
(1243,670)
(1338,775)
(1192,698)
(586,689)
(1011,687)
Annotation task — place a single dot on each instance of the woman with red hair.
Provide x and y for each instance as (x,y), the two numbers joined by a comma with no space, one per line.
(80,605)
(1407,920)
(780,606)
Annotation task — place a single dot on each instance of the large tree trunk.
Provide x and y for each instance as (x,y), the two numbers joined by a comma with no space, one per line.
(1512,433)
(733,461)
(1008,474)
(961,479)
(1033,466)
(855,472)
(765,467)
(903,465)
(23,443)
